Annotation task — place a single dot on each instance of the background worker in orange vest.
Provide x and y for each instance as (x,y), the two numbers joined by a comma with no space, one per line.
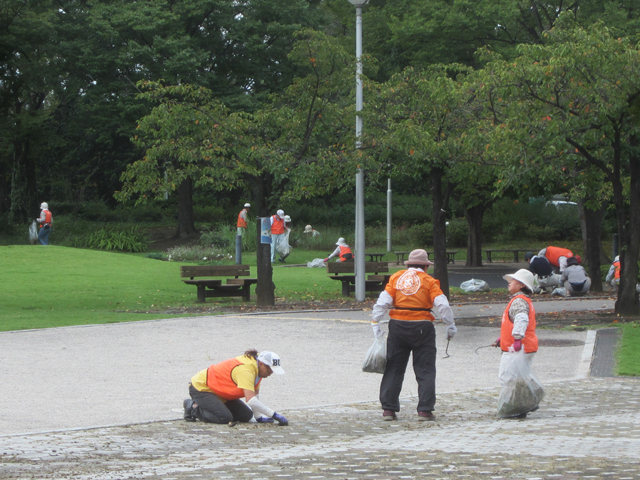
(243,219)
(410,297)
(46,221)
(613,275)
(216,392)
(343,251)
(558,256)
(518,328)
(277,232)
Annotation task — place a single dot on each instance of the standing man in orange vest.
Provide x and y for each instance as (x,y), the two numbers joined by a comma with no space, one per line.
(277,232)
(558,256)
(409,297)
(518,327)
(242,219)
(216,392)
(45,220)
(343,251)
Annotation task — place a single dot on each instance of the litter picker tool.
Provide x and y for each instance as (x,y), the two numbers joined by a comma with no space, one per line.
(446,351)
(485,346)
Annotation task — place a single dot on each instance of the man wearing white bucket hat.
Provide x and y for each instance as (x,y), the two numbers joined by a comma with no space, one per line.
(343,251)
(409,297)
(216,392)
(243,219)
(46,221)
(277,232)
(518,327)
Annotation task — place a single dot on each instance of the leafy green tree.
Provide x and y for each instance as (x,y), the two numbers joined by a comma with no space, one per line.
(569,107)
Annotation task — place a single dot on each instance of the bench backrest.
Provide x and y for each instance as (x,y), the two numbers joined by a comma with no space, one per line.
(348,268)
(214,271)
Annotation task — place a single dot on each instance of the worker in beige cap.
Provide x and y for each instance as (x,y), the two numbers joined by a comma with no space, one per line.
(410,297)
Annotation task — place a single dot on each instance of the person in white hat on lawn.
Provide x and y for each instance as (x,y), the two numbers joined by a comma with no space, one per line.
(243,219)
(409,297)
(216,392)
(342,251)
(518,328)
(46,221)
(277,232)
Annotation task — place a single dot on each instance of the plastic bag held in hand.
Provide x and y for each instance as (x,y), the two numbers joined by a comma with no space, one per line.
(376,359)
(280,419)
(451,331)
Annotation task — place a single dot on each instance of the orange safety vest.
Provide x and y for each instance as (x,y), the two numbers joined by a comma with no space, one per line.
(47,218)
(220,382)
(554,253)
(278,225)
(413,293)
(617,271)
(530,340)
(242,223)
(343,252)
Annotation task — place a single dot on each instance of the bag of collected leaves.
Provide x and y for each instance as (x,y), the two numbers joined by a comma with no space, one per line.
(521,391)
(376,359)
(475,285)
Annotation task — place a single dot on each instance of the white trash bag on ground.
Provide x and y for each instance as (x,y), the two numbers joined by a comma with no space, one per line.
(376,359)
(316,262)
(475,285)
(560,292)
(521,391)
(33,233)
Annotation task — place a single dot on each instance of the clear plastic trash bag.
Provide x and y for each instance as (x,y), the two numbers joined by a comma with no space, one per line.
(316,262)
(33,233)
(521,391)
(376,359)
(560,292)
(475,285)
(282,244)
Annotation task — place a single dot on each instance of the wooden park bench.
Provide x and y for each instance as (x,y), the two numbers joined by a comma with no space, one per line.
(508,252)
(451,256)
(345,273)
(213,287)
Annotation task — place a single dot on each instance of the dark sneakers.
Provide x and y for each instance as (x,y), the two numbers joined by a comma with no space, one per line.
(426,416)
(389,415)
(188,406)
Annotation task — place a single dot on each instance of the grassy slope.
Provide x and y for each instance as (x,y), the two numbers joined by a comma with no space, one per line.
(628,354)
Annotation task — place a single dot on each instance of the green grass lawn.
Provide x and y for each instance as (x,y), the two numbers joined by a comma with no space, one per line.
(57,286)
(628,354)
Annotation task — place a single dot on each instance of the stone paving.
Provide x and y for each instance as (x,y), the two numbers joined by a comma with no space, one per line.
(584,429)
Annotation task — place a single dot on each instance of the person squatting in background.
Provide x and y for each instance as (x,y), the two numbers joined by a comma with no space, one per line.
(542,271)
(409,297)
(613,275)
(277,232)
(46,221)
(557,257)
(343,251)
(308,230)
(518,328)
(575,279)
(243,219)
(216,392)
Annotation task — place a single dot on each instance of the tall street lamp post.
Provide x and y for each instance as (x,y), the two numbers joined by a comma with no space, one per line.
(359,256)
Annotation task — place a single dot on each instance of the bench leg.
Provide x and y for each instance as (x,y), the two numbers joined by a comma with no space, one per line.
(246,293)
(345,288)
(489,257)
(200,293)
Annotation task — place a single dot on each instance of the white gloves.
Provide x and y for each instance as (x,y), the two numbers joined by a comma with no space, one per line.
(451,331)
(376,329)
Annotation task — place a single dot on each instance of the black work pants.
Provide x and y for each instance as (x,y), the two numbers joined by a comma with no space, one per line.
(406,337)
(211,409)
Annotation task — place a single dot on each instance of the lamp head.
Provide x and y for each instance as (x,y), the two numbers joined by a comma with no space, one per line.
(359,3)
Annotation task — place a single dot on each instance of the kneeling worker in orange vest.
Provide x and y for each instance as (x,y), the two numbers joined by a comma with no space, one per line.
(216,392)
(558,256)
(343,251)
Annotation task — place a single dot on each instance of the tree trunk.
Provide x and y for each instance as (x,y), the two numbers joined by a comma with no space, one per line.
(474,216)
(440,205)
(593,243)
(185,209)
(265,288)
(627,303)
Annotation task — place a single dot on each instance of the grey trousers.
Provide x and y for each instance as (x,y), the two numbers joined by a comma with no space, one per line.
(405,338)
(211,409)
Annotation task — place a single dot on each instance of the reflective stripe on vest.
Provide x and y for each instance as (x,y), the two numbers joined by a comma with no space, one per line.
(530,340)
(242,223)
(411,291)
(554,253)
(220,382)
(277,228)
